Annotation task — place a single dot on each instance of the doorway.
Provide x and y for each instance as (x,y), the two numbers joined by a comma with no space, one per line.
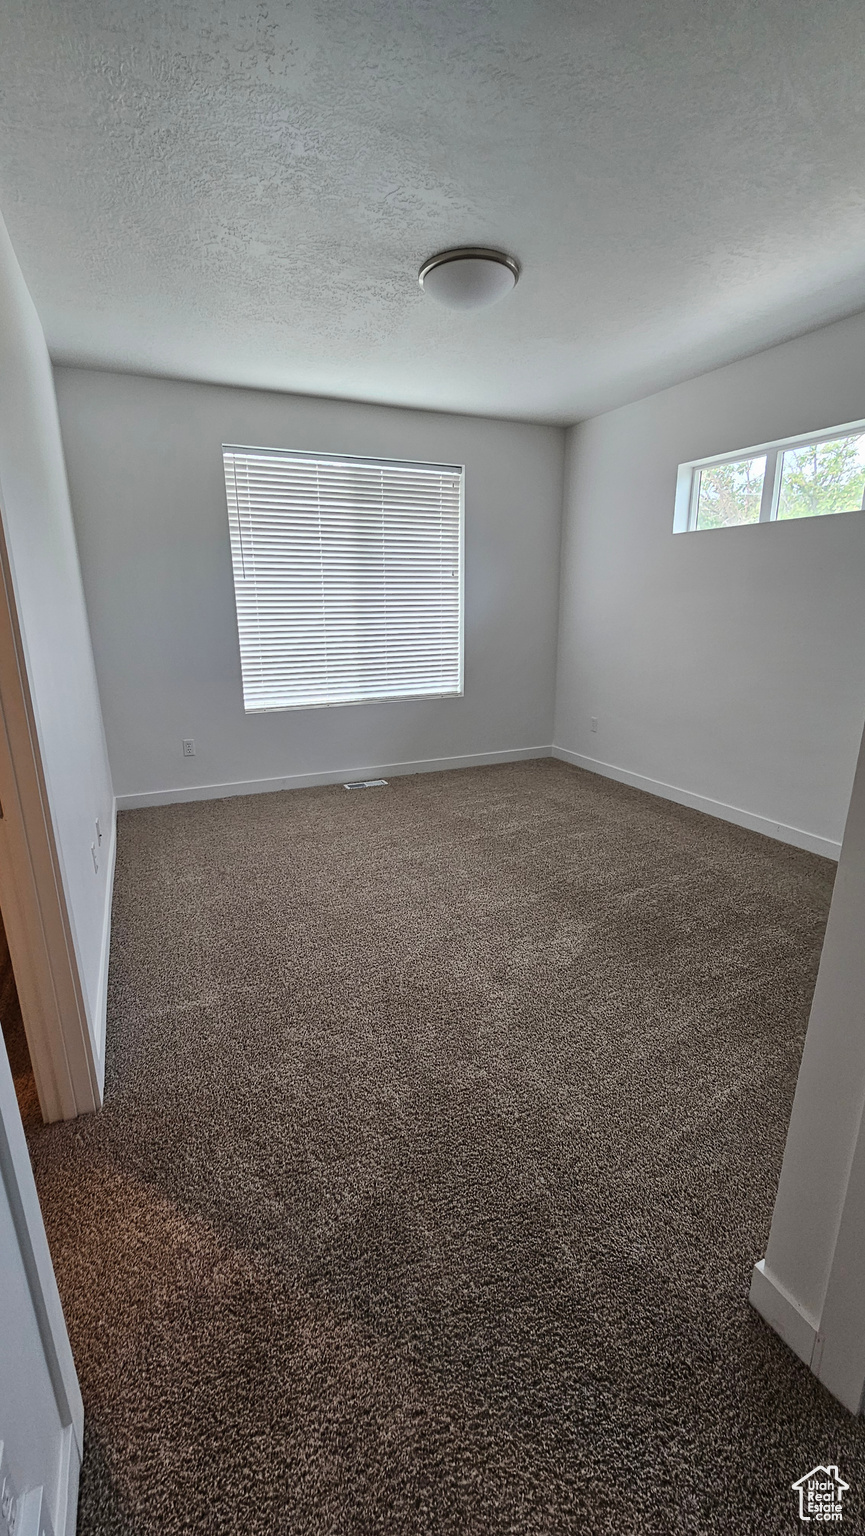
(15,1039)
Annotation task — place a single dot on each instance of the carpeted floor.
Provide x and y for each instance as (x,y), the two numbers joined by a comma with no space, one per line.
(442,1129)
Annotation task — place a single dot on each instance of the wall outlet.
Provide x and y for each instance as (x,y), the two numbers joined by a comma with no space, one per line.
(594,723)
(189,748)
(98,832)
(95,857)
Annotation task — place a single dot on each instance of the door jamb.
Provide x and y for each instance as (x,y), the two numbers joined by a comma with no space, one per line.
(32,895)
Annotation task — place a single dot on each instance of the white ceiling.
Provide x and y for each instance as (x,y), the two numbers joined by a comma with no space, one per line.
(244,192)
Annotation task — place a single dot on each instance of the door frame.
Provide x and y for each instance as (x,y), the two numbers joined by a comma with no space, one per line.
(32,895)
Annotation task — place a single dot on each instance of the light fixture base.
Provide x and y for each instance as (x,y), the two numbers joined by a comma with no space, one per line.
(469,276)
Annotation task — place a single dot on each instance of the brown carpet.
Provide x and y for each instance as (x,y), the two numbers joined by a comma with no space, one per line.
(442,1129)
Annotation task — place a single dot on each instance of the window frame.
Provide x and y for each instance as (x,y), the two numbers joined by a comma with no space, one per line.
(457,467)
(688,478)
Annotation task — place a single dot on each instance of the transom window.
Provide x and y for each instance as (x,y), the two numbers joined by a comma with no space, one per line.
(347,577)
(814,476)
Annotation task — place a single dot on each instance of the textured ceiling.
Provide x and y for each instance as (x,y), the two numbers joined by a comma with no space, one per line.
(244,193)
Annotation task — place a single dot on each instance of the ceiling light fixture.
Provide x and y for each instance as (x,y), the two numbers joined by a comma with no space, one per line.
(470,277)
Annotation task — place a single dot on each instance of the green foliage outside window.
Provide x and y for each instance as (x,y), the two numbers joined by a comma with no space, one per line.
(822,478)
(730,493)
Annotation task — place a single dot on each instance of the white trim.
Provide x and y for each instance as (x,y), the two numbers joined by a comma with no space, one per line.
(16,1174)
(40,929)
(180,796)
(34,1516)
(99,1022)
(783,1313)
(796,836)
(65,1517)
(838,1360)
(771,487)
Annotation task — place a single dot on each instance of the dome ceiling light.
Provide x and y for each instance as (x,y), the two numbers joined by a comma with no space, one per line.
(470,277)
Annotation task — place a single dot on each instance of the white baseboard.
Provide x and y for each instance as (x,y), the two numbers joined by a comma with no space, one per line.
(777,829)
(790,1321)
(332,776)
(105,952)
(796,836)
(65,1514)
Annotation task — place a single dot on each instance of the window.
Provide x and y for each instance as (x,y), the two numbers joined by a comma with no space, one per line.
(729,493)
(347,577)
(797,477)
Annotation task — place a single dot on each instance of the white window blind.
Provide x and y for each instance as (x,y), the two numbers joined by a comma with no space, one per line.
(347,577)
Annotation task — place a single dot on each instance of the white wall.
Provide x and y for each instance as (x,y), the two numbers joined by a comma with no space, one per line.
(145,469)
(728,665)
(809,1287)
(40,538)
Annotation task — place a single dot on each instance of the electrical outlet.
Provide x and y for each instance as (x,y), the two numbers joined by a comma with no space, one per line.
(594,723)
(189,749)
(98,833)
(95,857)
